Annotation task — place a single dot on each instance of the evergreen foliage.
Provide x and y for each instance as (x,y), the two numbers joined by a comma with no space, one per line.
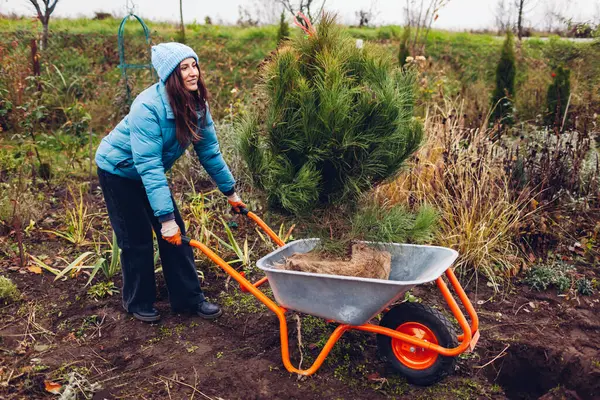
(335,121)
(284,29)
(404,51)
(394,224)
(503,96)
(557,98)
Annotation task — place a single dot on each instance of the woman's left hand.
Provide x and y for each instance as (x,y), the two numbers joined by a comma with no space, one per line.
(170,232)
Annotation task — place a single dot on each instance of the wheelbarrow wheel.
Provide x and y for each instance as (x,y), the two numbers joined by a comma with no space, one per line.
(420,366)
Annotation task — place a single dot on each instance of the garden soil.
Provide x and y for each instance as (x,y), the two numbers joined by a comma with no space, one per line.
(533,344)
(365,262)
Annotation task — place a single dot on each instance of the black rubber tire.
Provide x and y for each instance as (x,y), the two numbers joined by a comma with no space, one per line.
(441,328)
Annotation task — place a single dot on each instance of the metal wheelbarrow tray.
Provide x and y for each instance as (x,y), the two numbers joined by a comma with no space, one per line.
(352,300)
(416,340)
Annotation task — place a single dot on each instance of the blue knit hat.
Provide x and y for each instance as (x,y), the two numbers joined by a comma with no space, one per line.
(167,56)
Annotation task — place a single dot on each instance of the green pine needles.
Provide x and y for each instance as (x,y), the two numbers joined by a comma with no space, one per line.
(557,99)
(404,51)
(503,96)
(394,224)
(284,30)
(335,121)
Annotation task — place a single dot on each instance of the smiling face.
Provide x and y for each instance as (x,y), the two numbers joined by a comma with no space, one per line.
(189,73)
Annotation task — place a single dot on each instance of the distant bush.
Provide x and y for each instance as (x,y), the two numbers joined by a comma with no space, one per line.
(558,98)
(503,96)
(561,52)
(388,32)
(563,166)
(102,15)
(404,51)
(284,29)
(581,30)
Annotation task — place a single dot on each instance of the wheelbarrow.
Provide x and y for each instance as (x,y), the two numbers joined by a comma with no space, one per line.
(416,340)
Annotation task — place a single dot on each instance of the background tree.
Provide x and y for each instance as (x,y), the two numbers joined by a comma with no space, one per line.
(247,17)
(367,17)
(557,98)
(553,15)
(284,29)
(335,121)
(363,18)
(260,12)
(44,16)
(182,25)
(503,96)
(311,8)
(420,15)
(504,16)
(523,7)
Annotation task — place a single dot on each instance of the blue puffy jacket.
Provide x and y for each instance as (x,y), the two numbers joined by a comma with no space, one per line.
(143,146)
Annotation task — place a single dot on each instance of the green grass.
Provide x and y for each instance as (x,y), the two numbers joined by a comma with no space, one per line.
(82,25)
(86,53)
(8,290)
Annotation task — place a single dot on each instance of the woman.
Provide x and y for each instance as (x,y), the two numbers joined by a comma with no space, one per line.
(163,121)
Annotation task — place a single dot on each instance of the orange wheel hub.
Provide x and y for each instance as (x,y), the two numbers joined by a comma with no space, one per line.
(410,355)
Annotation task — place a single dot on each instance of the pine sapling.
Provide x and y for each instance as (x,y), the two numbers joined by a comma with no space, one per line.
(504,93)
(557,98)
(284,29)
(336,120)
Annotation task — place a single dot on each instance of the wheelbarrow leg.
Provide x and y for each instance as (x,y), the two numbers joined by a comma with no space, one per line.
(271,305)
(465,302)
(285,354)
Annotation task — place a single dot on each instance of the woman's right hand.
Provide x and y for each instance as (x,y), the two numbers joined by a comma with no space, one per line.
(170,232)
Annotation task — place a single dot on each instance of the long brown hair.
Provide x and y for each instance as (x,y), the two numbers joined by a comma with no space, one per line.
(185,105)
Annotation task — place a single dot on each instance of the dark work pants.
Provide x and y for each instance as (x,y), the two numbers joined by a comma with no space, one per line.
(132,219)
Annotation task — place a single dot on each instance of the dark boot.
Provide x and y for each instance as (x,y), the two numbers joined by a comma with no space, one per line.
(204,309)
(148,315)
(208,310)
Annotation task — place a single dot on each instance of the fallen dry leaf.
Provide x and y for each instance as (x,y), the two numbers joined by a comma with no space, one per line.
(374,376)
(41,347)
(52,387)
(70,337)
(532,304)
(35,269)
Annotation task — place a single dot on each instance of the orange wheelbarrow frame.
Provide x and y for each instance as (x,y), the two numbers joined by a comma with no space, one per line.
(467,340)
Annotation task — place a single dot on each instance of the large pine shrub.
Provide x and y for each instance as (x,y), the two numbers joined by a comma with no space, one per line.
(503,96)
(334,120)
(558,97)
